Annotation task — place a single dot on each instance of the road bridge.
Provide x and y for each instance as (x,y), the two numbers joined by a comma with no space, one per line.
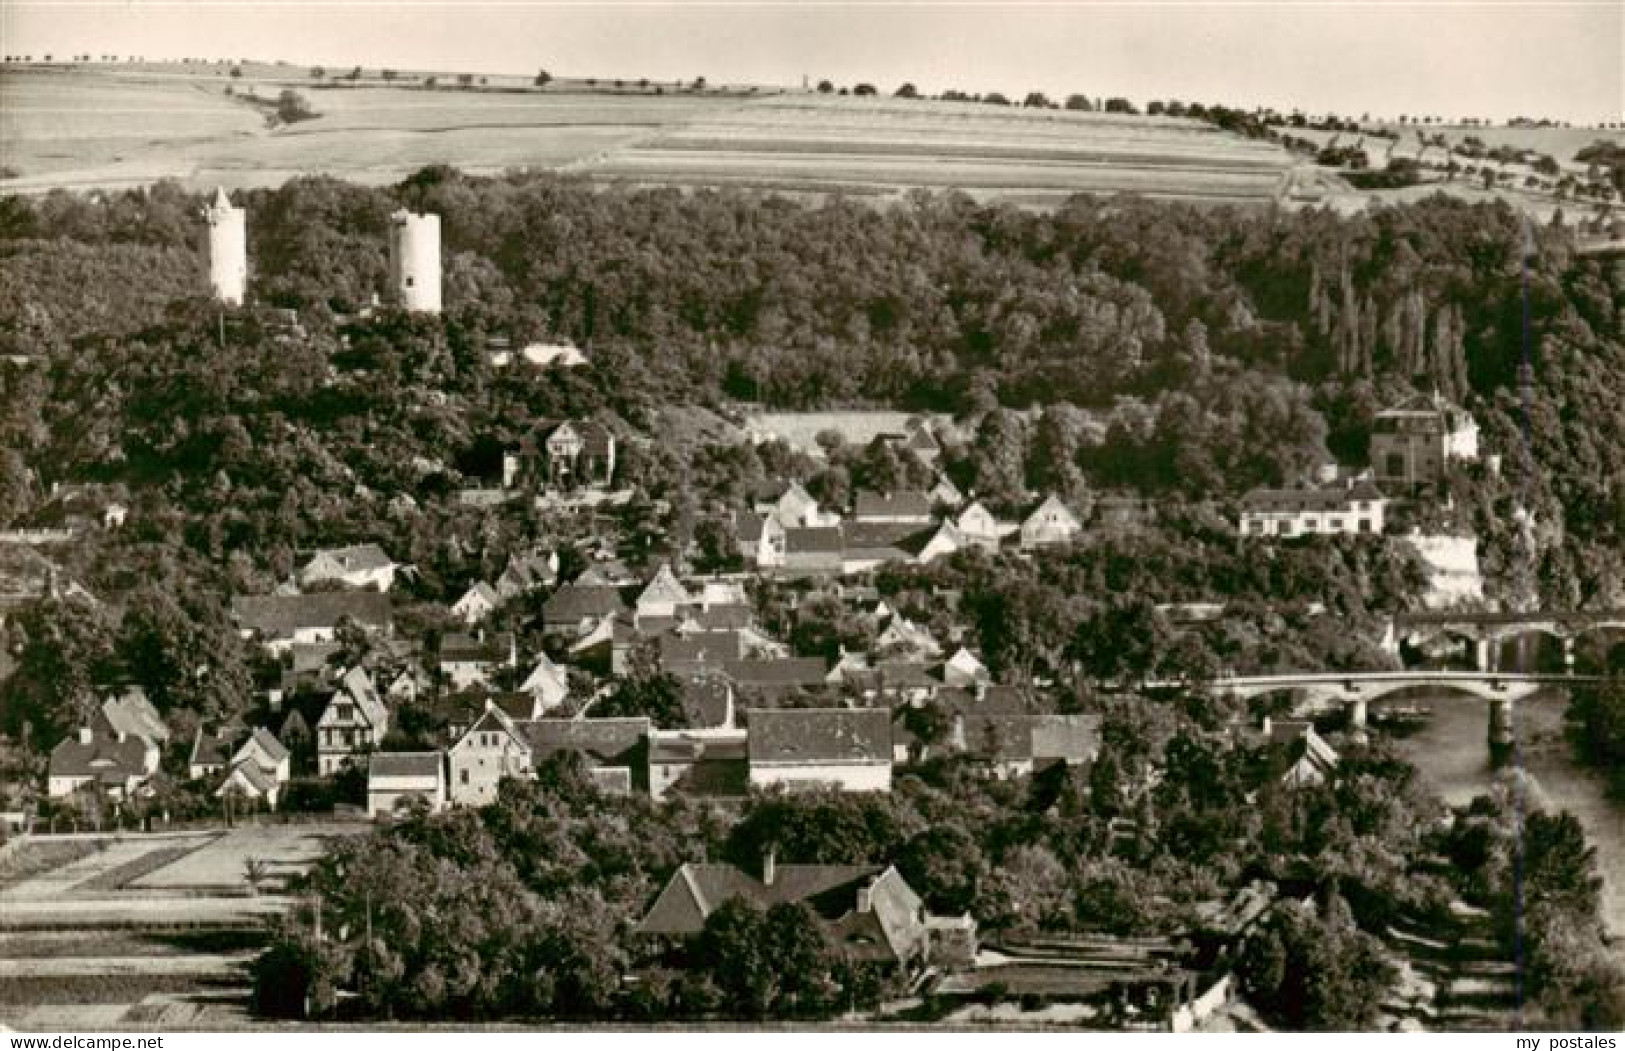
(1356,690)
(1492,641)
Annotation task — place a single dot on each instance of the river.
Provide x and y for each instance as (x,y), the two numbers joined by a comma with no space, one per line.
(1453,755)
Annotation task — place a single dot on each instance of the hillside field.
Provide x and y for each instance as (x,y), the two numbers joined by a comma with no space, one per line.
(88,127)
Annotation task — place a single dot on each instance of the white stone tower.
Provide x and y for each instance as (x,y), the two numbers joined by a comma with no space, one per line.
(228,249)
(414,260)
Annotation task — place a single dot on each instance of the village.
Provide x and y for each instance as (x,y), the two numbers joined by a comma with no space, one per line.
(789,671)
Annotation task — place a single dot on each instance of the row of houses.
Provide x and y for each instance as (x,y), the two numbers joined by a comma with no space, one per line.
(842,748)
(789,533)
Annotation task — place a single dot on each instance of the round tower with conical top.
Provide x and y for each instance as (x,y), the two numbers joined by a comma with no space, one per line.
(227,249)
(414,260)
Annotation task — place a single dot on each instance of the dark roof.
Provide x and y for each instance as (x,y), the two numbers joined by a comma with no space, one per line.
(464,707)
(998,735)
(888,928)
(574,603)
(277,615)
(701,647)
(697,890)
(600,740)
(461,648)
(1308,499)
(801,671)
(680,747)
(819,736)
(105,758)
(212,749)
(404,764)
(878,534)
(809,540)
(705,701)
(909,503)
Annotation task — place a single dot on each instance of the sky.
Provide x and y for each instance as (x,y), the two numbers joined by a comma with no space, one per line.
(1447,58)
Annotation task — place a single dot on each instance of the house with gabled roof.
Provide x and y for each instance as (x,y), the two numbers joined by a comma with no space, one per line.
(262,749)
(845,748)
(528,572)
(477,603)
(774,678)
(614,751)
(663,596)
(869,545)
(1308,759)
(356,566)
(354,722)
(547,683)
(869,912)
(280,621)
(492,748)
(979,528)
(579,607)
(211,752)
(903,639)
(1052,522)
(1356,509)
(714,764)
(117,763)
(814,550)
(250,783)
(944,540)
(761,539)
(793,507)
(475,661)
(574,454)
(965,669)
(922,442)
(399,780)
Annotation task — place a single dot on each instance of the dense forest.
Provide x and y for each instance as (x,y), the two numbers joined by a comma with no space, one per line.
(1182,350)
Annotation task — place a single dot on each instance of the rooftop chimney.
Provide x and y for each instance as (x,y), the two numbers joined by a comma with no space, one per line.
(86,734)
(769,867)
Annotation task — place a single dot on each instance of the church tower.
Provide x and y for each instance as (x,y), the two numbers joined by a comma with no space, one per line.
(227,249)
(414,261)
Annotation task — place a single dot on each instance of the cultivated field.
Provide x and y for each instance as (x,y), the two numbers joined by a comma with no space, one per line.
(122,126)
(141,930)
(879,145)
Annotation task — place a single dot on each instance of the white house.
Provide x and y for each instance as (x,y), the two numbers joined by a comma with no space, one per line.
(356,566)
(547,683)
(118,763)
(1354,510)
(964,669)
(477,603)
(396,780)
(354,721)
(473,661)
(493,748)
(979,528)
(844,748)
(1052,523)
